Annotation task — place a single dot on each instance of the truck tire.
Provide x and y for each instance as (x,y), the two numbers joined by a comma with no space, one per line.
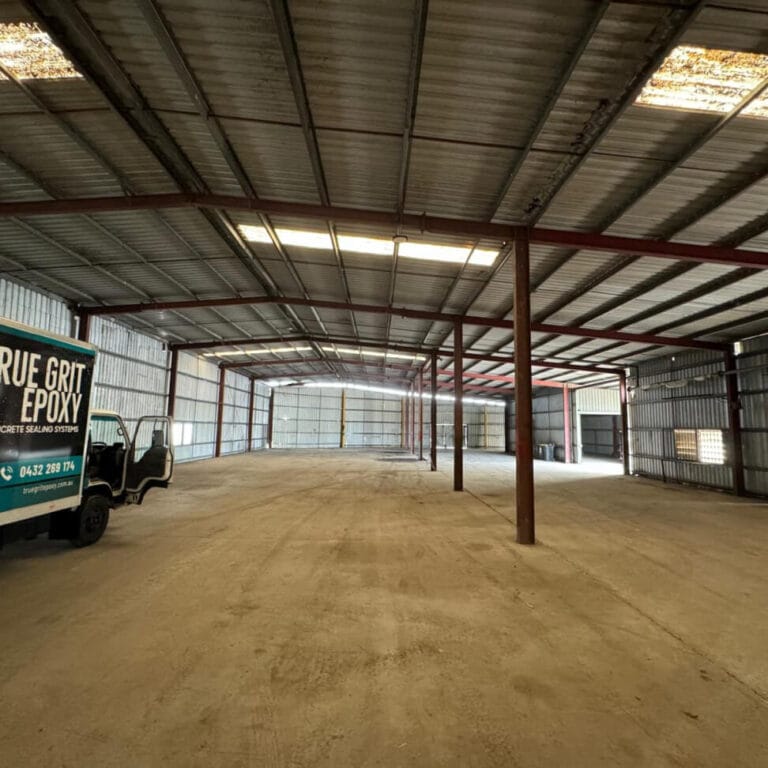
(91,521)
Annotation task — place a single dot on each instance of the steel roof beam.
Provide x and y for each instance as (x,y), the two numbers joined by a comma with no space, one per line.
(418,314)
(499,359)
(664,249)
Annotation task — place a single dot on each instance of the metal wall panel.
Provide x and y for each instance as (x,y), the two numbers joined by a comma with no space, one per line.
(597,400)
(260,416)
(234,435)
(197,385)
(753,396)
(131,375)
(307,418)
(684,391)
(373,419)
(24,305)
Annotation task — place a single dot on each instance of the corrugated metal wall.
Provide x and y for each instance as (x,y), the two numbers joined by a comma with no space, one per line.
(311,418)
(234,432)
(681,392)
(598,437)
(307,418)
(197,387)
(372,419)
(548,420)
(753,395)
(484,425)
(131,371)
(549,416)
(33,308)
(261,394)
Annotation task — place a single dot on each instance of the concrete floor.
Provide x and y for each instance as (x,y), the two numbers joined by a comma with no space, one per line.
(348,609)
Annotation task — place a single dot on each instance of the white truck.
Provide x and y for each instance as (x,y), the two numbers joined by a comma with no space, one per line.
(63,467)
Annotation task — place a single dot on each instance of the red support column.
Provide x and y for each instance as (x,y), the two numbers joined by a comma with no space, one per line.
(458,407)
(220,410)
(421,414)
(407,413)
(508,426)
(172,376)
(433,413)
(624,421)
(271,418)
(526,525)
(568,439)
(251,398)
(734,420)
(413,418)
(83,325)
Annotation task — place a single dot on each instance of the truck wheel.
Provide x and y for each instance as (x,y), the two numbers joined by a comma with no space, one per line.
(91,521)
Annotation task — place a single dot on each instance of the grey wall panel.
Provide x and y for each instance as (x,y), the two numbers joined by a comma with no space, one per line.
(753,397)
(197,387)
(684,391)
(235,417)
(131,375)
(25,305)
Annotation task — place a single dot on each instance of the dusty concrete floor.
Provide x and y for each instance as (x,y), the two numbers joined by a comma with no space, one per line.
(347,609)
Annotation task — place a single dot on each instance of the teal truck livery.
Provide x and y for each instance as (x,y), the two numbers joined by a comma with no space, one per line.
(63,467)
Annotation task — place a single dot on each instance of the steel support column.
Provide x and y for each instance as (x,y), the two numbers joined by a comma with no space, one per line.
(251,399)
(734,420)
(433,412)
(343,418)
(172,376)
(526,528)
(624,422)
(508,426)
(271,418)
(220,410)
(413,418)
(567,438)
(458,407)
(421,414)
(83,325)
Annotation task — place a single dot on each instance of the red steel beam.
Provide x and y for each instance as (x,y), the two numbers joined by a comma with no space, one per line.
(298,360)
(419,314)
(537,363)
(433,412)
(391,220)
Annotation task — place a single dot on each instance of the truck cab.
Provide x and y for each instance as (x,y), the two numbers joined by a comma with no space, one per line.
(122,470)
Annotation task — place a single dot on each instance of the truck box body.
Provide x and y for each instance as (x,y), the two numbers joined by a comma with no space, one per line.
(45,394)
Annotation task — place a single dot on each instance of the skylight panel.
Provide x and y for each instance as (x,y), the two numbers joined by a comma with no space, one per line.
(430,252)
(374,246)
(372,353)
(370,245)
(707,80)
(28,53)
(260,351)
(305,238)
(254,234)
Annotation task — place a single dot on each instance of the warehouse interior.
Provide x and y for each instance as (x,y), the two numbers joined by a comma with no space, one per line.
(460,311)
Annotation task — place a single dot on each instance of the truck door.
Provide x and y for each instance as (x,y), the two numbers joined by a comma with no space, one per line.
(150,462)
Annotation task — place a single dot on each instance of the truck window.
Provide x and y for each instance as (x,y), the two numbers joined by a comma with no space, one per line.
(106,430)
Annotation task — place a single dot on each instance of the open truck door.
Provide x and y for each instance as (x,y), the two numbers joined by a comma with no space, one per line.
(150,457)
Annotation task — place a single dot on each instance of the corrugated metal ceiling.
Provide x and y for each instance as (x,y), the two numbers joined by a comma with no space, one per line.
(487,71)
